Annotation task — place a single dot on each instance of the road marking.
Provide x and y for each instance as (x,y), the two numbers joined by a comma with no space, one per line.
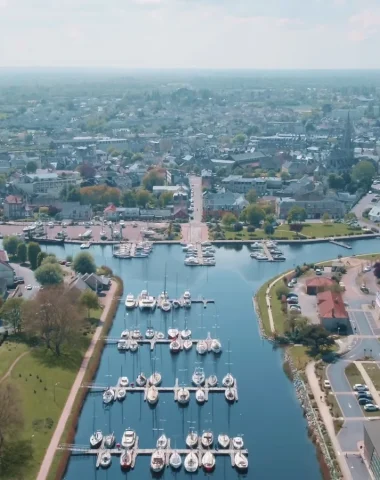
(353,356)
(349,405)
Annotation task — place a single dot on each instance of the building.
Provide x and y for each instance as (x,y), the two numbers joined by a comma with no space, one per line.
(75,211)
(14,207)
(224,201)
(316,285)
(7,273)
(332,311)
(372,446)
(239,184)
(374,214)
(46,183)
(158,189)
(314,208)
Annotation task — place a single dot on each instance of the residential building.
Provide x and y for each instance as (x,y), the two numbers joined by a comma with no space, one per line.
(239,184)
(96,282)
(372,446)
(314,208)
(224,201)
(75,211)
(14,207)
(374,214)
(7,273)
(332,311)
(316,285)
(46,183)
(158,189)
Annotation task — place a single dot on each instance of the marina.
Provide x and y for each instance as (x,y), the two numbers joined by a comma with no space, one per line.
(128,250)
(199,254)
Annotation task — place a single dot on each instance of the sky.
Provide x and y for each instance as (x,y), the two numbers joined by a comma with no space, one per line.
(208,34)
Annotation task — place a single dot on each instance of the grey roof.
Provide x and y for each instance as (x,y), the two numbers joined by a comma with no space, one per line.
(373,430)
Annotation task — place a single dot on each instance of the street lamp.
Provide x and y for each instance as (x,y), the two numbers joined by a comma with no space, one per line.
(54,389)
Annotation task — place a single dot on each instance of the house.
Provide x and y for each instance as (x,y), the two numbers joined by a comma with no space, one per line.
(7,273)
(96,282)
(239,184)
(14,207)
(318,284)
(314,208)
(332,311)
(374,214)
(79,284)
(110,212)
(51,183)
(158,189)
(224,201)
(75,211)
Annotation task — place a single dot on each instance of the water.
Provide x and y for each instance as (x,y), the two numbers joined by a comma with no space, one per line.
(268,413)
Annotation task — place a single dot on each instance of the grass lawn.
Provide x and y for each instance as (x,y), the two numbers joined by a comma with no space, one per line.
(321,230)
(374,373)
(353,375)
(258,234)
(331,400)
(9,351)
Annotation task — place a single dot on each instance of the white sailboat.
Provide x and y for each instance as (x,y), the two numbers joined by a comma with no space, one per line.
(212,381)
(130,301)
(152,395)
(126,460)
(157,461)
(207,439)
(191,462)
(173,333)
(183,396)
(109,440)
(175,346)
(125,334)
(155,379)
(187,345)
(238,443)
(230,395)
(241,461)
(149,334)
(105,459)
(162,442)
(121,394)
(175,460)
(96,439)
(109,396)
(141,380)
(223,440)
(216,346)
(200,396)
(124,382)
(208,461)
(192,439)
(202,347)
(198,377)
(133,346)
(228,381)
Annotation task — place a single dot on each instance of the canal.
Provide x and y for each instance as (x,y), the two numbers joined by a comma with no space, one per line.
(267,414)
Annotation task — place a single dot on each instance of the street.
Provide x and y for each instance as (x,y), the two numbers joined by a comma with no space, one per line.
(29,280)
(195,231)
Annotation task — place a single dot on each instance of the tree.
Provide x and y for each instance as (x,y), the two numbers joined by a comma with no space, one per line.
(11,312)
(153,178)
(89,300)
(49,259)
(44,211)
(11,244)
(268,229)
(86,170)
(282,290)
(54,316)
(325,217)
(40,258)
(350,217)
(363,172)
(284,176)
(84,263)
(33,251)
(254,215)
(251,196)
(297,214)
(228,219)
(129,199)
(252,130)
(21,252)
(376,269)
(239,138)
(166,198)
(142,197)
(336,182)
(100,195)
(49,274)
(31,167)
(137,157)
(70,194)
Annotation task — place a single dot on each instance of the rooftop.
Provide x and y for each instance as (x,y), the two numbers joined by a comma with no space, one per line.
(331,305)
(373,430)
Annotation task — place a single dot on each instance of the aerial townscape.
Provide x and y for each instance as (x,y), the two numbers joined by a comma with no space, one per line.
(119,358)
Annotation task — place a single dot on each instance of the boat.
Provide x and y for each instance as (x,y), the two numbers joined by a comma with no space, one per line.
(124,382)
(175,460)
(256,246)
(241,461)
(122,345)
(166,306)
(187,344)
(157,461)
(126,460)
(191,261)
(175,346)
(162,442)
(198,377)
(96,439)
(186,303)
(202,347)
(208,461)
(200,396)
(136,334)
(103,235)
(228,381)
(125,334)
(183,396)
(206,244)
(152,395)
(86,245)
(191,462)
(149,334)
(212,381)
(160,335)
(130,301)
(185,333)
(146,301)
(105,459)
(155,379)
(176,304)
(223,440)
(173,333)
(187,295)
(133,346)
(230,395)
(109,441)
(238,443)
(192,440)
(141,380)
(216,346)
(207,439)
(121,394)
(185,248)
(129,438)
(109,396)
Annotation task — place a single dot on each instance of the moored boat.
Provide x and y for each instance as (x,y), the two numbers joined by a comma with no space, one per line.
(108,396)
(208,461)
(175,346)
(162,442)
(96,439)
(173,333)
(238,443)
(149,334)
(166,306)
(176,304)
(130,301)
(133,346)
(126,460)
(105,459)
(230,395)
(121,394)
(192,440)
(109,441)
(241,461)
(191,462)
(198,377)
(212,381)
(202,347)
(187,344)
(207,439)
(155,379)
(152,395)
(125,334)
(223,440)
(141,380)
(160,335)
(228,381)
(216,346)
(124,382)
(129,438)
(175,460)
(200,396)
(157,461)
(136,334)
(183,396)
(185,334)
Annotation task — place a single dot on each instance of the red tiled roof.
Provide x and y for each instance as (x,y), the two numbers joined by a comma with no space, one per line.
(331,305)
(110,208)
(317,282)
(13,199)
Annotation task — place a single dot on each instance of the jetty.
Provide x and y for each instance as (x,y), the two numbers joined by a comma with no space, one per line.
(267,252)
(136,451)
(175,388)
(340,244)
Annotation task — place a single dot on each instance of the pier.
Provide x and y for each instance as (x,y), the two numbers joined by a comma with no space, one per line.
(153,341)
(267,252)
(340,244)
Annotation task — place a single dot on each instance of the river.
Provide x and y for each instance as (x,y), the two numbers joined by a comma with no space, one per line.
(267,414)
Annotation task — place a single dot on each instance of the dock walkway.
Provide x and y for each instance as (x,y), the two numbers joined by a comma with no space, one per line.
(267,252)
(340,244)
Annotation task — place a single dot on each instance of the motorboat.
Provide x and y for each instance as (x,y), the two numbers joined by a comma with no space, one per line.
(146,301)
(198,377)
(162,442)
(186,303)
(109,441)
(202,347)
(125,334)
(175,346)
(207,439)
(187,345)
(108,396)
(212,381)
(206,244)
(175,460)
(183,396)
(126,460)
(176,304)
(256,246)
(191,462)
(230,395)
(209,262)
(141,380)
(241,461)
(173,333)
(130,301)
(192,440)
(124,382)
(238,443)
(121,394)
(160,335)
(136,334)
(223,440)
(133,346)
(185,333)
(122,345)
(216,346)
(157,461)
(155,379)
(185,248)
(149,334)
(208,461)
(207,254)
(187,295)
(105,459)
(228,381)
(96,439)
(152,395)
(85,245)
(166,306)
(191,261)
(128,439)
(200,396)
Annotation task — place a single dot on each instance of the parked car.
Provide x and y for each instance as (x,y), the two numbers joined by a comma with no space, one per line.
(367,269)
(318,271)
(295,307)
(292,301)
(19,280)
(292,295)
(363,395)
(364,289)
(370,407)
(327,384)
(29,287)
(364,401)
(360,387)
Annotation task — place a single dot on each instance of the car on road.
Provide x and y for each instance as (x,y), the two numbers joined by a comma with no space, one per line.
(29,287)
(292,300)
(367,269)
(364,289)
(19,280)
(327,384)
(370,407)
(364,401)
(360,387)
(318,271)
(134,224)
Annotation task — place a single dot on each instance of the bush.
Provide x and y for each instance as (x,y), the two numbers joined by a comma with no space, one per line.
(250,228)
(281,290)
(238,227)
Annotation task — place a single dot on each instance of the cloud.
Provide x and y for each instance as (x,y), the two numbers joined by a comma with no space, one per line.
(365,24)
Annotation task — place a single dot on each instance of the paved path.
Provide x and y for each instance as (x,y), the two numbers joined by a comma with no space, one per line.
(6,375)
(55,440)
(368,382)
(195,231)
(268,298)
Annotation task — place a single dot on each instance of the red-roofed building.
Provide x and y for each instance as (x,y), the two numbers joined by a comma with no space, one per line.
(318,284)
(14,207)
(110,212)
(332,311)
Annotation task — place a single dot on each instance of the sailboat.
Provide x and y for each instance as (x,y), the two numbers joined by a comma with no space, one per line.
(223,440)
(191,462)
(192,439)
(162,442)
(157,462)
(185,333)
(208,461)
(109,440)
(228,381)
(96,439)
(165,303)
(241,461)
(126,460)
(175,460)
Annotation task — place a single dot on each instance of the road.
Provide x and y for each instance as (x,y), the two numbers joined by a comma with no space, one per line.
(195,231)
(29,278)
(362,205)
